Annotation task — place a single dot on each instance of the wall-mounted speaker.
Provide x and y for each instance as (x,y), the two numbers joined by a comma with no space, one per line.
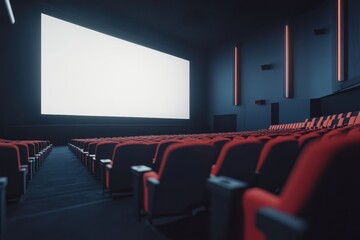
(260,102)
(319,31)
(266,67)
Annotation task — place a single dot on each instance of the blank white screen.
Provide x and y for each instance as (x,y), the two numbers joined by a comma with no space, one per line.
(87,73)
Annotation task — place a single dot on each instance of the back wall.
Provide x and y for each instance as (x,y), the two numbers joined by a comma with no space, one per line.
(20,77)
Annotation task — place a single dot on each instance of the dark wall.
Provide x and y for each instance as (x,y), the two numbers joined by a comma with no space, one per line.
(313,54)
(352,44)
(340,102)
(20,77)
(313,75)
(220,85)
(300,110)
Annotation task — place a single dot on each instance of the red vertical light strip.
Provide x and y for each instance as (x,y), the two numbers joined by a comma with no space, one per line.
(339,41)
(236,93)
(287,62)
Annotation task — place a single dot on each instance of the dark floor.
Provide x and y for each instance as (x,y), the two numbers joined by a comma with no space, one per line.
(64,202)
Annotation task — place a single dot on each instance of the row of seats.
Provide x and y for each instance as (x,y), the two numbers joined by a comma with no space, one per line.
(19,162)
(175,174)
(330,121)
(110,159)
(318,201)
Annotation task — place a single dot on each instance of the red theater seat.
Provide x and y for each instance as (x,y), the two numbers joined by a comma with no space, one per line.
(227,195)
(322,191)
(238,159)
(25,160)
(275,163)
(10,167)
(118,172)
(218,143)
(180,184)
(307,138)
(159,153)
(90,154)
(104,150)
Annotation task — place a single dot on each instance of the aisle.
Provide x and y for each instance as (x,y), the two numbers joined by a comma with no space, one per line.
(64,202)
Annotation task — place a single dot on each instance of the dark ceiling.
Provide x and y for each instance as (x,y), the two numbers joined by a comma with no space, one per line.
(197,22)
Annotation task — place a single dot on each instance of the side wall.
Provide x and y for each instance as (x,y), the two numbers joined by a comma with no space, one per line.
(313,70)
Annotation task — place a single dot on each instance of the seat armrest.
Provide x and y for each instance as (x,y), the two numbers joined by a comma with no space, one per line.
(152,185)
(22,178)
(23,168)
(253,200)
(89,161)
(35,160)
(140,169)
(92,159)
(103,163)
(225,195)
(3,184)
(138,174)
(31,165)
(278,225)
(153,182)
(225,186)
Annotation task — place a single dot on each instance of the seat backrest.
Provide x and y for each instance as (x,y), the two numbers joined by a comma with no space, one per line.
(9,159)
(92,147)
(43,144)
(275,163)
(126,155)
(319,122)
(326,121)
(86,145)
(36,144)
(307,138)
(82,143)
(238,159)
(354,131)
(334,133)
(104,150)
(23,152)
(184,171)
(324,188)
(311,124)
(263,139)
(218,143)
(32,148)
(159,153)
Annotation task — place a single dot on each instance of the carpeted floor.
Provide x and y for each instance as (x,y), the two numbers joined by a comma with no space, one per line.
(64,202)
